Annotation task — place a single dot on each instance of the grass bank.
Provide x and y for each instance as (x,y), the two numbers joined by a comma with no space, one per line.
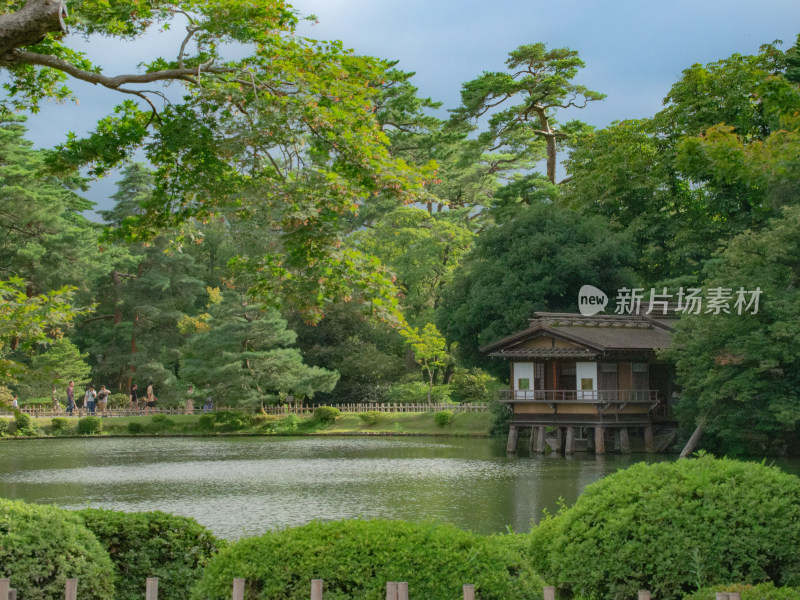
(472,424)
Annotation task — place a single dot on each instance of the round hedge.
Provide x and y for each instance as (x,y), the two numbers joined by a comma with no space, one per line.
(355,559)
(43,546)
(674,527)
(90,425)
(762,591)
(153,544)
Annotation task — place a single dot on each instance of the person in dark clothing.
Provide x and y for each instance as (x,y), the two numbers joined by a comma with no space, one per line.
(70,397)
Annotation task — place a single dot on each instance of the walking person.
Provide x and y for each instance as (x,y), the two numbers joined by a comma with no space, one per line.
(190,400)
(151,398)
(102,399)
(70,397)
(134,397)
(88,400)
(15,402)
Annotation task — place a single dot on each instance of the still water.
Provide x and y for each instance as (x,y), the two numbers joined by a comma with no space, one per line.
(245,486)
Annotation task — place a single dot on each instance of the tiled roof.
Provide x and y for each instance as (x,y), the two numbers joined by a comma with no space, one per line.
(594,335)
(545,353)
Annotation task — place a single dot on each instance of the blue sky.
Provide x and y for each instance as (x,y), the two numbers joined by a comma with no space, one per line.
(634,50)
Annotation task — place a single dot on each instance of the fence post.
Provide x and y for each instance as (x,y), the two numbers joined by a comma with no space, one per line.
(402,590)
(151,591)
(644,594)
(238,589)
(12,594)
(71,589)
(469,591)
(549,592)
(5,586)
(316,589)
(734,596)
(391,590)
(722,596)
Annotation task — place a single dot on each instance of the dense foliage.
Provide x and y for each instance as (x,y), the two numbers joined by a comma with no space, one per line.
(673,527)
(43,546)
(152,544)
(357,558)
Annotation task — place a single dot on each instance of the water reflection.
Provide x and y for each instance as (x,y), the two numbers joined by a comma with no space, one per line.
(245,486)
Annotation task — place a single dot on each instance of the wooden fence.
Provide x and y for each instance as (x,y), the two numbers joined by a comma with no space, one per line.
(286,409)
(395,590)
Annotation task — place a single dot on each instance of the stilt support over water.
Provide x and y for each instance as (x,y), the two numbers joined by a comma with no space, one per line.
(513,440)
(541,440)
(649,446)
(599,440)
(624,441)
(569,447)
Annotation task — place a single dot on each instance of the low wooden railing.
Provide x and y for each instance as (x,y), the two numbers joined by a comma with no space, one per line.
(579,396)
(395,590)
(285,409)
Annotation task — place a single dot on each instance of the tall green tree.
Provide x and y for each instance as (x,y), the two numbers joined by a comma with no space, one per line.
(540,81)
(738,366)
(241,355)
(535,262)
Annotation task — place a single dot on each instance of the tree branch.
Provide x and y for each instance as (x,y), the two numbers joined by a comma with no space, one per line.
(32,58)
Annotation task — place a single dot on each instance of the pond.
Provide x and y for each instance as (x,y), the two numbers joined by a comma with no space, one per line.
(245,486)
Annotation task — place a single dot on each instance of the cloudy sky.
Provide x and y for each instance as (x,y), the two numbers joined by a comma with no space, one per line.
(633,49)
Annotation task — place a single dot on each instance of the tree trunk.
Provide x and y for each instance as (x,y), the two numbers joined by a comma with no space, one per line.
(551,158)
(29,25)
(694,440)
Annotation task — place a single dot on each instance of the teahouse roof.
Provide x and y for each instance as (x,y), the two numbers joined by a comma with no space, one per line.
(589,337)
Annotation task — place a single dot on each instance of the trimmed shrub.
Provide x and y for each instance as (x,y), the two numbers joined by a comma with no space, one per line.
(59,423)
(762,591)
(674,527)
(262,419)
(153,544)
(234,424)
(22,421)
(207,421)
(5,424)
(118,401)
(160,423)
(370,417)
(443,418)
(90,425)
(474,385)
(357,558)
(327,414)
(135,427)
(43,546)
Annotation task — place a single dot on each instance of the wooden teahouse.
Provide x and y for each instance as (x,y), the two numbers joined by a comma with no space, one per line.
(588,380)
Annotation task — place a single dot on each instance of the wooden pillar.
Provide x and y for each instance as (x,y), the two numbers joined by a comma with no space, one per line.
(599,440)
(469,591)
(624,441)
(644,595)
(391,590)
(70,590)
(402,590)
(513,440)
(151,590)
(5,585)
(560,440)
(541,439)
(617,444)
(549,592)
(238,590)
(649,445)
(569,447)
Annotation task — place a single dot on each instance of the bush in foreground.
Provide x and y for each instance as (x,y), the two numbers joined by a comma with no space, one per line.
(370,417)
(356,559)
(762,591)
(43,546)
(59,423)
(673,528)
(153,544)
